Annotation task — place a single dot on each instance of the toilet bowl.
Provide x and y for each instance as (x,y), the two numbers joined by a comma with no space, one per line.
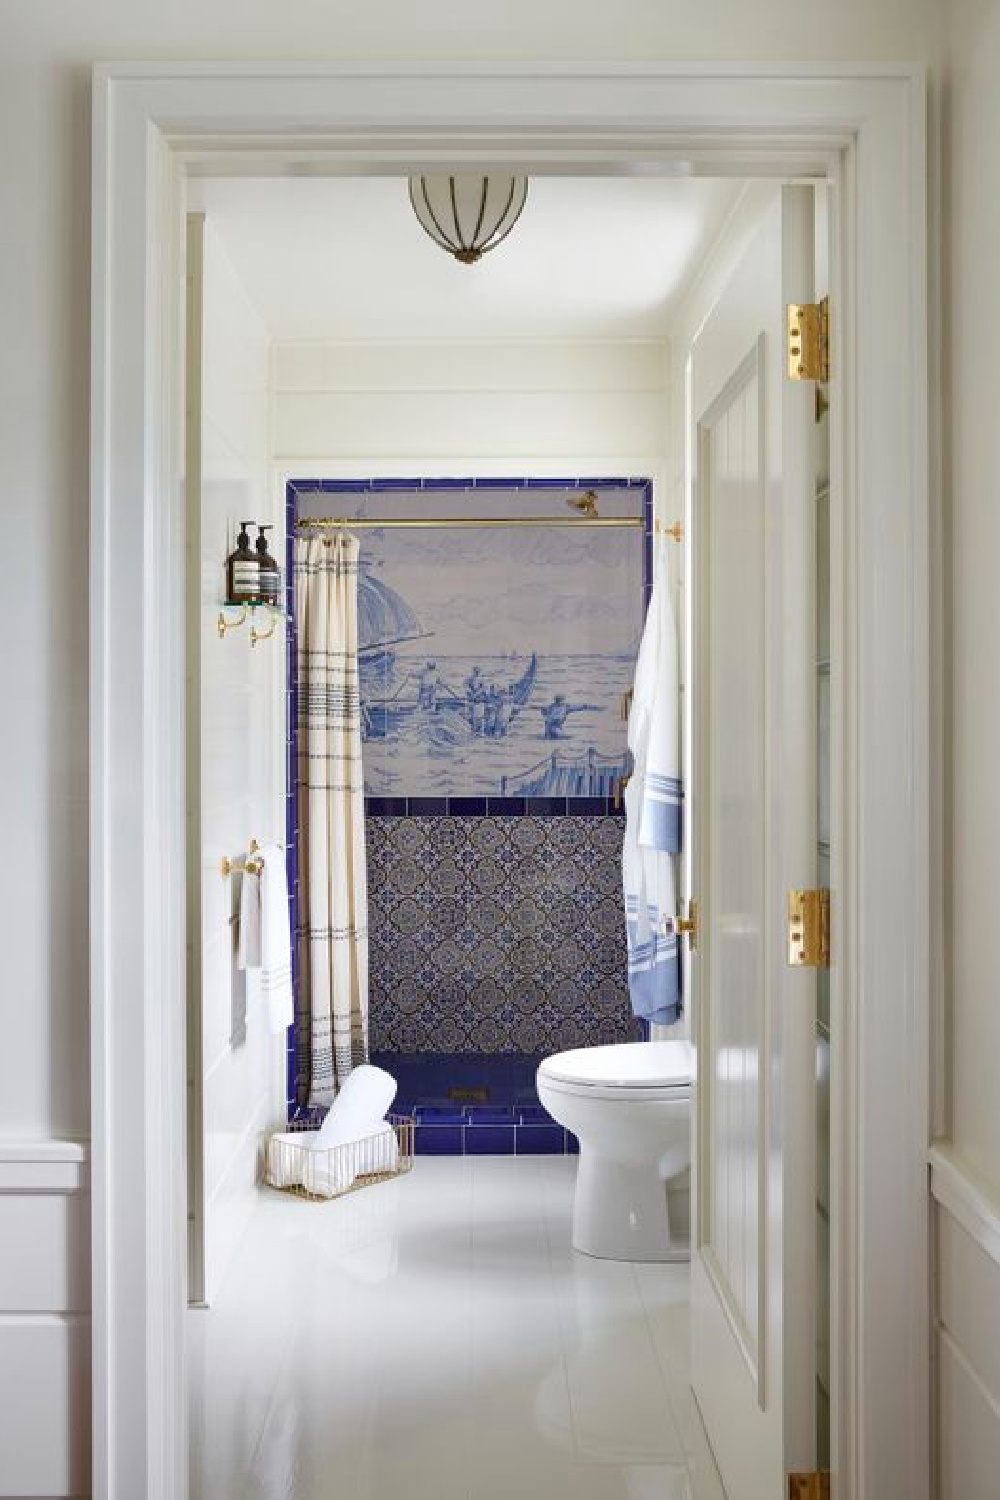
(629,1106)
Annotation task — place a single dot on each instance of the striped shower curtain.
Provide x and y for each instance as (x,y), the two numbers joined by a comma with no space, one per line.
(332,935)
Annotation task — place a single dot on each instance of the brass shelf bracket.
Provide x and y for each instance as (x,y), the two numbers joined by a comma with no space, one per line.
(264,635)
(225,624)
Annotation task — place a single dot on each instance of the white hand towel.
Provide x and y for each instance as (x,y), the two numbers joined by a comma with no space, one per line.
(286,1155)
(275,940)
(653,802)
(248,946)
(360,1107)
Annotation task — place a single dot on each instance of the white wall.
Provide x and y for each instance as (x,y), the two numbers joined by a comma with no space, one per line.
(46,52)
(435,407)
(240,752)
(967,1212)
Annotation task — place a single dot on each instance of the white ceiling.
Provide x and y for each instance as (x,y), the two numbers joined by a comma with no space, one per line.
(345,257)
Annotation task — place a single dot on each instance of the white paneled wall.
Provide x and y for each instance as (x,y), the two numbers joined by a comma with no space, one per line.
(45,1323)
(966,1318)
(237,1087)
(436,407)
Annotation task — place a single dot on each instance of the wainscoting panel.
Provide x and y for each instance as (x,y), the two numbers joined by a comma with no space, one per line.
(967,1315)
(44,1319)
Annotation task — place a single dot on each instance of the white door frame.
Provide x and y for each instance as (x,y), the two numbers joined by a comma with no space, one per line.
(861,126)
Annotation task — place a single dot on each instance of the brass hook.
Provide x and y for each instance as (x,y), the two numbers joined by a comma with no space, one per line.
(229,867)
(263,635)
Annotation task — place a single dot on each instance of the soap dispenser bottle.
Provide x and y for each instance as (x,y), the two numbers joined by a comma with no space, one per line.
(270,577)
(242,571)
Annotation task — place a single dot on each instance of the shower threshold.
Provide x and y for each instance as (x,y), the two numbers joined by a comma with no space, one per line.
(471,1104)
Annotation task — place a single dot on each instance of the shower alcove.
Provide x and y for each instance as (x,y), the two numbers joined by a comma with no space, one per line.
(497,633)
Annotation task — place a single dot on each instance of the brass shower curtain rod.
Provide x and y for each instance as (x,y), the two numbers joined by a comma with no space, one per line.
(368,523)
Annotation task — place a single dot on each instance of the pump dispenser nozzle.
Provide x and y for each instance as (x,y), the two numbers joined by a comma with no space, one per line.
(270,576)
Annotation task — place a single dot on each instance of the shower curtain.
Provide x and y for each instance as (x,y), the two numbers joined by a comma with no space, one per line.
(332,934)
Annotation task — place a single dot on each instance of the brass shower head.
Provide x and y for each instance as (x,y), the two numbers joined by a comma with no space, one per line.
(586,503)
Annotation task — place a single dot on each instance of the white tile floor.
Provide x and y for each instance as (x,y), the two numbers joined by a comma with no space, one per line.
(436,1338)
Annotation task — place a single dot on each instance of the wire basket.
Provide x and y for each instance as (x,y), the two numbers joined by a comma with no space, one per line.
(297,1167)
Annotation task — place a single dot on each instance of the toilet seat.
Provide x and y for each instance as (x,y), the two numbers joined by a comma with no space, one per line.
(629,1070)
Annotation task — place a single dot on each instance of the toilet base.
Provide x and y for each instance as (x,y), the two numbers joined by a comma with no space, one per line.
(621,1212)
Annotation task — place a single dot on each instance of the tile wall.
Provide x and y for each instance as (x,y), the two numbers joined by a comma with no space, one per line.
(496,934)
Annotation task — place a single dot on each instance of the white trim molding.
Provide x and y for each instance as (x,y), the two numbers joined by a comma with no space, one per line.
(44,1166)
(971,1201)
(860,127)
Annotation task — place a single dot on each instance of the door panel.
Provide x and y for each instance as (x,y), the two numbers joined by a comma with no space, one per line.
(731,459)
(754,1266)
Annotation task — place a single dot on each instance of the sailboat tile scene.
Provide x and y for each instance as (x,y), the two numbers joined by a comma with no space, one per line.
(493,659)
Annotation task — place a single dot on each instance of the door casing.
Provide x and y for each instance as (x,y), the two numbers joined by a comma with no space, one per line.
(860,127)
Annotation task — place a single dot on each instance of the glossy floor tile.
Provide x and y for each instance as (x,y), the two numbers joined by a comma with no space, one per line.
(437,1338)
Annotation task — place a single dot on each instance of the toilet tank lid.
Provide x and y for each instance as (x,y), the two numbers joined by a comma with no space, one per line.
(629,1064)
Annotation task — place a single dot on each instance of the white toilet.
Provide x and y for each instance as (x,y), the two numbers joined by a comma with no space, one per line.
(629,1105)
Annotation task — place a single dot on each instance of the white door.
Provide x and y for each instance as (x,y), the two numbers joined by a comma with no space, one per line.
(753,784)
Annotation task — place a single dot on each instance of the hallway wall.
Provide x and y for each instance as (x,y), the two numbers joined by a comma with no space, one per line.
(239,1085)
(966,1167)
(45,69)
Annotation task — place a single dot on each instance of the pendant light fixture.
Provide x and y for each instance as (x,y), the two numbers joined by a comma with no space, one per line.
(470,214)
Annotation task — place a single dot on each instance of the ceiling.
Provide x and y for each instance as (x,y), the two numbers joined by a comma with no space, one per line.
(345,258)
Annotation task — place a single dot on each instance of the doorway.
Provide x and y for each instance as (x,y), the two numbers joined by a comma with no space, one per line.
(900,420)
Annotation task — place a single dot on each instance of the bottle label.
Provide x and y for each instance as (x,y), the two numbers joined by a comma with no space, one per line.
(246,578)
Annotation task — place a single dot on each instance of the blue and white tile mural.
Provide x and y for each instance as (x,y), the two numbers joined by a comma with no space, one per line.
(493,661)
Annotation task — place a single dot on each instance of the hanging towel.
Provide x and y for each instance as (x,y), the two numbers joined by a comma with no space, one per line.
(248,946)
(275,939)
(653,830)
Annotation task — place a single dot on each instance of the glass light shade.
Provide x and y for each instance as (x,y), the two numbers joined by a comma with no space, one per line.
(468,215)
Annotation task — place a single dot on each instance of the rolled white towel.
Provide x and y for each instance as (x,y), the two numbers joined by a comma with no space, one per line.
(286,1156)
(362,1104)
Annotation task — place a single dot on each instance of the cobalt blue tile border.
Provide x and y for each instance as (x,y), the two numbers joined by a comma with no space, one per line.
(490,1140)
(467,807)
(493,807)
(439,1140)
(506,807)
(424,807)
(385,807)
(540,1140)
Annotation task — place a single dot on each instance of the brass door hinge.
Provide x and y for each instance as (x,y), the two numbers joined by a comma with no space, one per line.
(815,1486)
(684,925)
(808,344)
(809,929)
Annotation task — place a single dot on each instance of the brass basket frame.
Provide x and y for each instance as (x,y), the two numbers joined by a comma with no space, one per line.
(288,1167)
